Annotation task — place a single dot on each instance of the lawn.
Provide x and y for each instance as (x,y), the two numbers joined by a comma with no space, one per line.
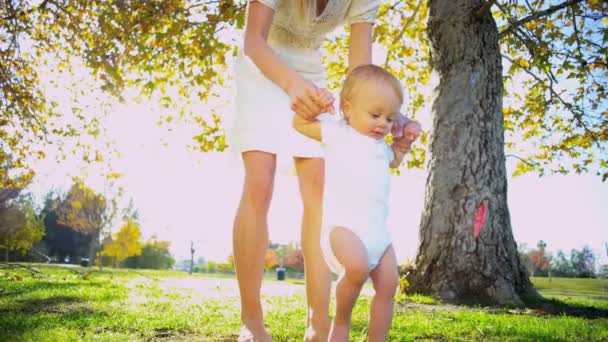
(57,303)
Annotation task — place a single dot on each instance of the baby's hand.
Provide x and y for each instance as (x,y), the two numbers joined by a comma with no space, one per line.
(326,100)
(411,132)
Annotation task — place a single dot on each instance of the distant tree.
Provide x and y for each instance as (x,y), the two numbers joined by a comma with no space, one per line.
(63,242)
(603,271)
(224,267)
(539,260)
(271,259)
(583,262)
(211,267)
(86,212)
(201,261)
(154,255)
(10,215)
(561,266)
(20,234)
(524,256)
(125,243)
(295,260)
(130,212)
(103,259)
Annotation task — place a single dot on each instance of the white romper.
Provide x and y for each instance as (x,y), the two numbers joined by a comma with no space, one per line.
(263,115)
(357,185)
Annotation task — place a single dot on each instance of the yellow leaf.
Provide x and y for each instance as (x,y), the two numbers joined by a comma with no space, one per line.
(114,175)
(522,62)
(408,51)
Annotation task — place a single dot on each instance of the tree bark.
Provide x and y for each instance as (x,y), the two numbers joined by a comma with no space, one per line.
(467,167)
(6,255)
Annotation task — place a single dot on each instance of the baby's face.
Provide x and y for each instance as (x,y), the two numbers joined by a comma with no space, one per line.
(372,109)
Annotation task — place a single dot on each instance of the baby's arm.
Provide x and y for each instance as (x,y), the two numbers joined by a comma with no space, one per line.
(310,128)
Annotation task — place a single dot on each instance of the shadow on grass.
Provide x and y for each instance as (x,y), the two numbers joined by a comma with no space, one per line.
(56,305)
(534,306)
(170,335)
(49,286)
(30,314)
(557,307)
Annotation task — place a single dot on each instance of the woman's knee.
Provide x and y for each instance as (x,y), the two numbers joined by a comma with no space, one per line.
(258,193)
(311,179)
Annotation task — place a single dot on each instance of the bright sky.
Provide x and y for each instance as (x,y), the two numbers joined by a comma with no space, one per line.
(183,195)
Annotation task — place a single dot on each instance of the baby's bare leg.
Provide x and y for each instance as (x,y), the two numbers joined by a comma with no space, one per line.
(351,253)
(386,280)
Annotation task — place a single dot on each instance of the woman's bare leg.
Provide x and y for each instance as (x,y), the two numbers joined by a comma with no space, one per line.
(318,278)
(250,240)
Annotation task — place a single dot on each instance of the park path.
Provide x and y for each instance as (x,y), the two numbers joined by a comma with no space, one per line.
(227,288)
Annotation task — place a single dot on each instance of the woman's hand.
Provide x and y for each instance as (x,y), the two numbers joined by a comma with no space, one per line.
(326,98)
(307,100)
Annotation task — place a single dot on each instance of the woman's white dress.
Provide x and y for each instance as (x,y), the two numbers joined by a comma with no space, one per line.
(263,115)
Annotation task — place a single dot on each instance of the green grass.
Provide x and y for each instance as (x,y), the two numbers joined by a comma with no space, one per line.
(61,304)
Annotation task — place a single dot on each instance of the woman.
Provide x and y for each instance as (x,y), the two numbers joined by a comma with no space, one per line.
(279,73)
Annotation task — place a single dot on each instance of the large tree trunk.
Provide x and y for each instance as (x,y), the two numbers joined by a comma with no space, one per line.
(6,255)
(467,167)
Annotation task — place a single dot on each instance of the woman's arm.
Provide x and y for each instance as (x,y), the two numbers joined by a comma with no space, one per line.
(301,91)
(360,50)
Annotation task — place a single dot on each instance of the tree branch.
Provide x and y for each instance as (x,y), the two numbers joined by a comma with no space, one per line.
(577,116)
(400,35)
(14,15)
(537,15)
(523,160)
(485,8)
(578,40)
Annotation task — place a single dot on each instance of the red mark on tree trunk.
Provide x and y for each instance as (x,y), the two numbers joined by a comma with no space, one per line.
(480,218)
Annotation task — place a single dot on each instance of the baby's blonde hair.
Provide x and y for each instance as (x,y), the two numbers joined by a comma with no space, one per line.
(369,72)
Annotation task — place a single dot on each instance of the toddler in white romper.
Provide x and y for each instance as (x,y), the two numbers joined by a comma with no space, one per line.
(357,183)
(355,240)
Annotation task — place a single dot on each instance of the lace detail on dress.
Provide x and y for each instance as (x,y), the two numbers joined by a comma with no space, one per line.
(333,12)
(287,30)
(281,36)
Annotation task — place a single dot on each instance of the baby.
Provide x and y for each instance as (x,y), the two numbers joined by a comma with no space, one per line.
(354,238)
